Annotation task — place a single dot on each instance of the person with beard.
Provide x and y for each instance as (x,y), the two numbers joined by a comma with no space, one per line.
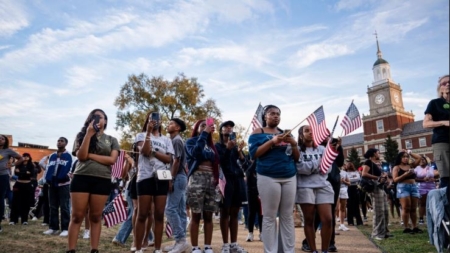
(57,177)
(437,116)
(234,193)
(372,171)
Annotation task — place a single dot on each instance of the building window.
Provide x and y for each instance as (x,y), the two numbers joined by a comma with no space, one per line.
(380,126)
(422,142)
(408,144)
(359,151)
(382,148)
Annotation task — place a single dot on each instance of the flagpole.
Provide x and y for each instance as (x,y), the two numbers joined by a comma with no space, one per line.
(334,127)
(248,128)
(289,132)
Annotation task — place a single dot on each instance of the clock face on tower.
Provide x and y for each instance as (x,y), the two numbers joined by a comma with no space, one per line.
(396,97)
(379,99)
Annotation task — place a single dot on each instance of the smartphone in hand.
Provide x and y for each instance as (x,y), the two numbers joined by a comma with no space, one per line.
(209,121)
(155,116)
(96,119)
(232,136)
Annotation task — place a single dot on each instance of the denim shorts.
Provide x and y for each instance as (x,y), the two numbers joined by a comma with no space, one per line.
(407,190)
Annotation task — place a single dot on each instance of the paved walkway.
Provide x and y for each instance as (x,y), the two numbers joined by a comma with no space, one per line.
(348,241)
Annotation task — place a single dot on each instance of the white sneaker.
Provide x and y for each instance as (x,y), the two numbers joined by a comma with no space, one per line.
(237,249)
(250,237)
(157,251)
(196,250)
(44,224)
(180,247)
(139,251)
(225,248)
(64,233)
(50,232)
(241,222)
(133,249)
(151,243)
(34,218)
(170,247)
(342,227)
(338,219)
(12,223)
(208,250)
(86,234)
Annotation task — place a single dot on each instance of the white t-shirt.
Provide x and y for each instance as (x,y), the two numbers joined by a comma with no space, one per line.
(345,177)
(147,166)
(354,177)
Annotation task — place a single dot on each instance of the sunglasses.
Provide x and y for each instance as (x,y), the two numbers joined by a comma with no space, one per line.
(445,83)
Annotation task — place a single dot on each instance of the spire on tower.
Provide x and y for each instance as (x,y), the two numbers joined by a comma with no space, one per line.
(378,46)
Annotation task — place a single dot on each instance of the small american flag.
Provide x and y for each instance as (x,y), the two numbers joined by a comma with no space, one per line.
(318,127)
(115,212)
(257,118)
(352,120)
(116,169)
(169,231)
(328,158)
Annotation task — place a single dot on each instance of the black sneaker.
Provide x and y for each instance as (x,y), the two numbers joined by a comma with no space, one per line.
(94,250)
(408,231)
(388,236)
(332,248)
(306,248)
(417,230)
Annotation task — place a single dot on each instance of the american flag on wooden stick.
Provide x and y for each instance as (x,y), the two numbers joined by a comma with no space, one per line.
(116,169)
(257,118)
(352,120)
(115,212)
(318,127)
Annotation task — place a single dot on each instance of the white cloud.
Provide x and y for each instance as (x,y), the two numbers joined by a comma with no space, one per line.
(12,17)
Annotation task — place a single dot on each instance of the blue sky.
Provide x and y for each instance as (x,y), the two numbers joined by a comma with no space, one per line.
(61,59)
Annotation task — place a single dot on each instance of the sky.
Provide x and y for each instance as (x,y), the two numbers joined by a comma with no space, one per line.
(61,59)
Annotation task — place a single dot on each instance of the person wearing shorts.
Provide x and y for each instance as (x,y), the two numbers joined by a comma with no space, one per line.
(203,174)
(407,190)
(155,154)
(91,183)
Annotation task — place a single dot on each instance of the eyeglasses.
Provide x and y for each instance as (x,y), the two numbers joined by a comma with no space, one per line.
(445,83)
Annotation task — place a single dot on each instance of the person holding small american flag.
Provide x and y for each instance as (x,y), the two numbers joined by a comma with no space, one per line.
(314,191)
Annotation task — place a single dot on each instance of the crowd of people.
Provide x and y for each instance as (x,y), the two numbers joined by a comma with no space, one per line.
(189,181)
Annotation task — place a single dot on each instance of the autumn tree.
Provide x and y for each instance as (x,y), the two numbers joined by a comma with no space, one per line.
(353,157)
(182,97)
(391,147)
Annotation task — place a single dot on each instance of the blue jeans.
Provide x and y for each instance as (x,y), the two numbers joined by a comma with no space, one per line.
(59,198)
(127,226)
(176,207)
(4,186)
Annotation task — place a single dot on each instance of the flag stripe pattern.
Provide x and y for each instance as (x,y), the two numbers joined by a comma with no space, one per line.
(351,120)
(328,158)
(169,231)
(318,126)
(222,182)
(257,118)
(115,212)
(116,169)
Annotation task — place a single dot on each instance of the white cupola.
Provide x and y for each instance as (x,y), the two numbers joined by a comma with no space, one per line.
(381,68)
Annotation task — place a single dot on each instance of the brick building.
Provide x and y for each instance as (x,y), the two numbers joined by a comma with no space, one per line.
(387,116)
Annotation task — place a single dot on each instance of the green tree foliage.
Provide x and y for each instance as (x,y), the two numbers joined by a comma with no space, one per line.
(182,98)
(353,157)
(391,152)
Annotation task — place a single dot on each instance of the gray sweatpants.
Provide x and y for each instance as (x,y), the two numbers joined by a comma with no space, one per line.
(277,197)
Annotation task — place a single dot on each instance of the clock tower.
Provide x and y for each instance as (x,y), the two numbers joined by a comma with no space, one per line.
(387,114)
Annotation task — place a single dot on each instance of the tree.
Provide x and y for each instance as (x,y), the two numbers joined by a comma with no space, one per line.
(181,97)
(353,157)
(391,147)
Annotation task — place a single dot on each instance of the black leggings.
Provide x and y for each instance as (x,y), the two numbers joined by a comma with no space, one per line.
(21,202)
(353,206)
(254,207)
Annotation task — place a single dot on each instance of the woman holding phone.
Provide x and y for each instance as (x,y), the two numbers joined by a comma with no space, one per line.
(203,162)
(155,153)
(275,153)
(91,183)
(407,190)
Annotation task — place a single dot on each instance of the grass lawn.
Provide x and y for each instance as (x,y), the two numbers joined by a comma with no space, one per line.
(401,243)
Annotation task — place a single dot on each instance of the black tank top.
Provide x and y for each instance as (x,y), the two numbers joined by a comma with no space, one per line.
(411,176)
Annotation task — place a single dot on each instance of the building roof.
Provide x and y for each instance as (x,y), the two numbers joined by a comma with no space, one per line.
(415,127)
(380,61)
(354,139)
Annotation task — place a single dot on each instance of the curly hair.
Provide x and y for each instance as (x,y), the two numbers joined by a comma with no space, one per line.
(82,133)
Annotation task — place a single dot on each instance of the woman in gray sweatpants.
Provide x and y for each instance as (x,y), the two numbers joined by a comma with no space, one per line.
(275,153)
